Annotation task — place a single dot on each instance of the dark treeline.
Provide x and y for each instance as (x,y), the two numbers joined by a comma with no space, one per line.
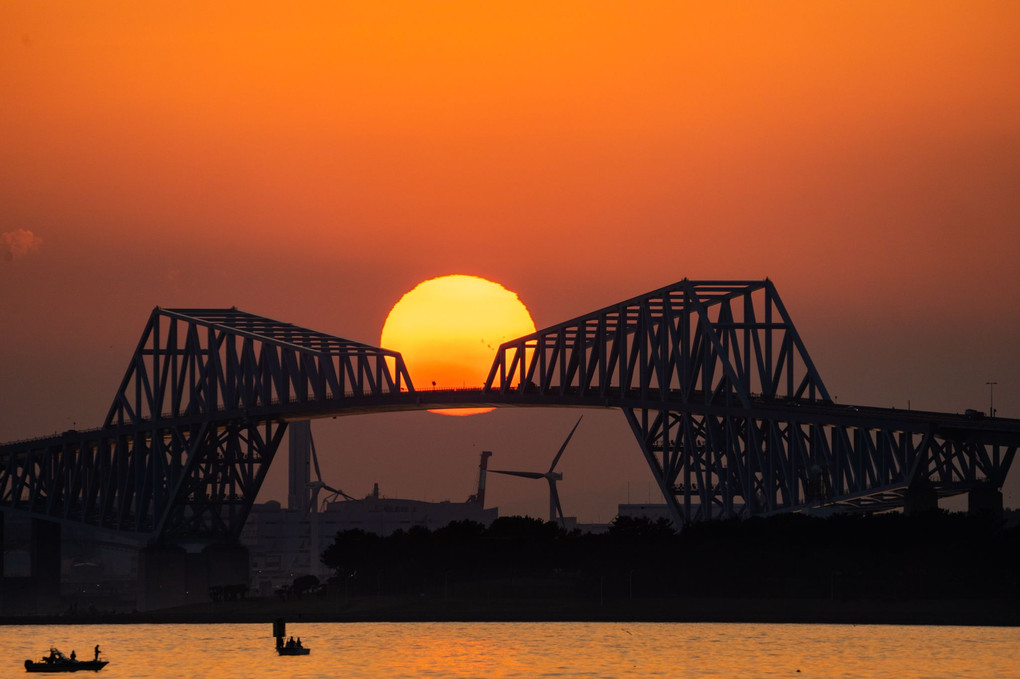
(889,557)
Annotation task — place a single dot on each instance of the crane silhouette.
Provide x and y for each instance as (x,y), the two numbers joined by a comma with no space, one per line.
(551,476)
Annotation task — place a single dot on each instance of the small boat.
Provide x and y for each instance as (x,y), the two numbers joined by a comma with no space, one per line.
(292,650)
(58,662)
(291,647)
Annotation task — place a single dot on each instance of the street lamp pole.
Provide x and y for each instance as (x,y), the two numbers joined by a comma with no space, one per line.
(991,398)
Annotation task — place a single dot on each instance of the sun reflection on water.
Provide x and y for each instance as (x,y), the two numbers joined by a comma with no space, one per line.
(532,650)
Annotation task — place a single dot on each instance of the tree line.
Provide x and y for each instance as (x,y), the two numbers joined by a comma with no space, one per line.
(886,556)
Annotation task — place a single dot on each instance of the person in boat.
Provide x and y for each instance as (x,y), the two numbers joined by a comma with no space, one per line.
(73,654)
(299,642)
(97,651)
(290,642)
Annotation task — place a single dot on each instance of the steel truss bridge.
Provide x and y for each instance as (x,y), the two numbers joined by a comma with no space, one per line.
(713,378)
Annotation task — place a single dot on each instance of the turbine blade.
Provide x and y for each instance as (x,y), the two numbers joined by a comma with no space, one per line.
(337,491)
(564,446)
(526,475)
(315,458)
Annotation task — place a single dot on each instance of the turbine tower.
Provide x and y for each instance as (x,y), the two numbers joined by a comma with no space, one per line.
(304,493)
(317,485)
(551,476)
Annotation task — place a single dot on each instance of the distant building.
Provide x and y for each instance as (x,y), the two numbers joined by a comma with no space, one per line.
(653,512)
(285,543)
(383,516)
(592,528)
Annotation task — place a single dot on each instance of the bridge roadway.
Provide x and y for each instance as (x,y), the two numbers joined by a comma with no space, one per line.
(977,429)
(962,428)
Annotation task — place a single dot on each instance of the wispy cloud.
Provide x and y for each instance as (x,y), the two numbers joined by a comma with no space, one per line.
(18,243)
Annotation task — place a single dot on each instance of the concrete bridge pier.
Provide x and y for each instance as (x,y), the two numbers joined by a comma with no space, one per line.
(228,568)
(32,586)
(162,577)
(3,561)
(46,565)
(985,500)
(920,498)
(175,575)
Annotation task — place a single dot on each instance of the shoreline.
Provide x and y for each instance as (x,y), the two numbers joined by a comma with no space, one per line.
(969,612)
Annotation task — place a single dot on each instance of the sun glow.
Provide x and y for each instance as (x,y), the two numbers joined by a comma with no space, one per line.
(448,329)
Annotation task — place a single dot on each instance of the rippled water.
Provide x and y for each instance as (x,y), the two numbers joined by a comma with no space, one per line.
(518,650)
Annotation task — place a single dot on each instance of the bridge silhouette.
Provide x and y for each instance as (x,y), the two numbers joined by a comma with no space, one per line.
(724,402)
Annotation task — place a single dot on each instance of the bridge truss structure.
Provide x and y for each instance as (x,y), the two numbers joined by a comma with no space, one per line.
(197,420)
(732,415)
(726,406)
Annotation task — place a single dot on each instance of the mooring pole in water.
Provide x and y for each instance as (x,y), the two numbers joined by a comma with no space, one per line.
(279,631)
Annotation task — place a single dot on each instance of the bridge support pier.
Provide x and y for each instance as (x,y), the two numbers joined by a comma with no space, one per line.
(46,565)
(170,575)
(3,561)
(32,587)
(228,569)
(162,577)
(920,498)
(985,500)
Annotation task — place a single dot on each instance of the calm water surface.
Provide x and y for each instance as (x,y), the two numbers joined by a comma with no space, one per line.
(519,650)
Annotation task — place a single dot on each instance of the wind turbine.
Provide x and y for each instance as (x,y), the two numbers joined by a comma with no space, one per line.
(551,476)
(317,485)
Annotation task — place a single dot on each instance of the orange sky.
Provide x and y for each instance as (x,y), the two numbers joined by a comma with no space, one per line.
(313,164)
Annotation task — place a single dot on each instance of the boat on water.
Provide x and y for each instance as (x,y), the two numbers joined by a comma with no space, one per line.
(292,650)
(291,646)
(56,661)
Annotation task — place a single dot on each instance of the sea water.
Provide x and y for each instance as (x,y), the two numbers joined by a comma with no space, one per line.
(528,650)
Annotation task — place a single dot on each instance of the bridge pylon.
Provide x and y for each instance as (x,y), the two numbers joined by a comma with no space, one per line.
(731,414)
(194,426)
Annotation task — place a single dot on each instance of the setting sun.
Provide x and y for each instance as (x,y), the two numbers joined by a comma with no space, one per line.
(448,329)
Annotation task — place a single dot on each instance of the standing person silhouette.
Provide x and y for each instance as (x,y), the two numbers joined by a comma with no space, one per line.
(97,651)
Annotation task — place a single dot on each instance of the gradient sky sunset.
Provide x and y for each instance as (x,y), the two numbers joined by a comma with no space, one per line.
(312,162)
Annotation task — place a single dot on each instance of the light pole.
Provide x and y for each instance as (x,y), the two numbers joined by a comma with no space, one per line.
(991,398)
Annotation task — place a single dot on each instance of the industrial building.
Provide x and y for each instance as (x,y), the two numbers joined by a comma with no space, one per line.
(285,542)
